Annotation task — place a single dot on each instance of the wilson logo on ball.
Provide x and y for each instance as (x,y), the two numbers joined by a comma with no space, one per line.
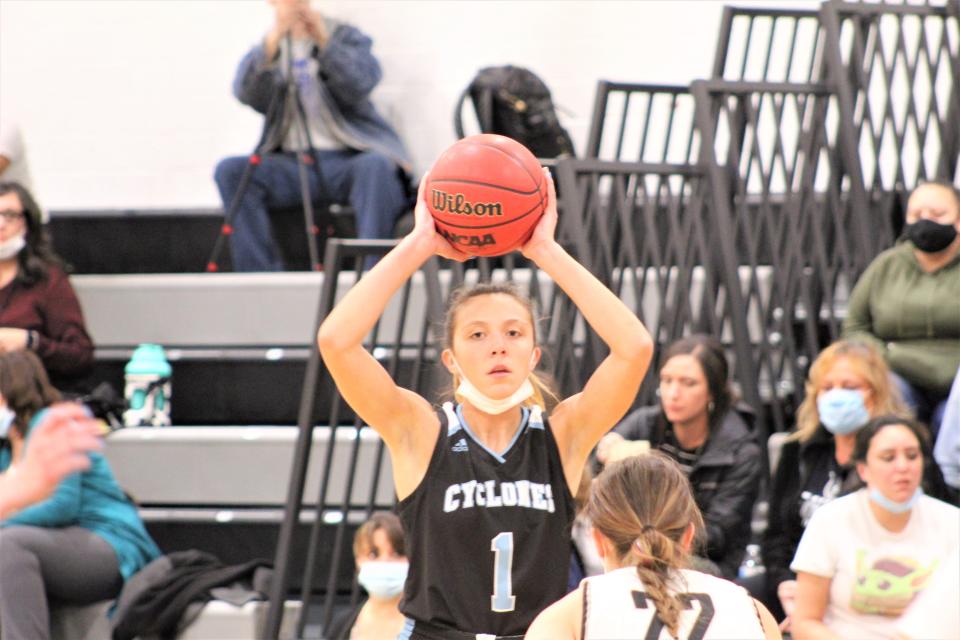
(486,194)
(457,203)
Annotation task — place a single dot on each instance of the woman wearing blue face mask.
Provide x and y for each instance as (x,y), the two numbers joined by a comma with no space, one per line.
(847,384)
(864,557)
(380,555)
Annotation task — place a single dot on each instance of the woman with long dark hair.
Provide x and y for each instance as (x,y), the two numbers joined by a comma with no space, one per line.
(39,310)
(78,546)
(866,556)
(699,425)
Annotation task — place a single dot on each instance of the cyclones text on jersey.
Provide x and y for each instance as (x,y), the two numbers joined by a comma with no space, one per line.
(520,493)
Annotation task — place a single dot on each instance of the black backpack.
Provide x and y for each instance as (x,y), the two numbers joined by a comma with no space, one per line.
(514,102)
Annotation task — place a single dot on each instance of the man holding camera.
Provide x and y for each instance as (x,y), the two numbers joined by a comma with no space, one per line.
(360,158)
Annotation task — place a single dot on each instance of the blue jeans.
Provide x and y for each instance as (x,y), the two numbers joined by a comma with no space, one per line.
(928,407)
(370,182)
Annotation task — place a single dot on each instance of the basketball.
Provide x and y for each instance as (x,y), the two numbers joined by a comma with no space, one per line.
(486,194)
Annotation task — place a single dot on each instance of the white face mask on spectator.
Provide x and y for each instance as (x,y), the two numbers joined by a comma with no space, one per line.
(7,418)
(10,248)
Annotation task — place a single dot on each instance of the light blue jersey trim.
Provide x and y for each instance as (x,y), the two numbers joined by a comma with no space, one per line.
(536,418)
(500,457)
(453,422)
(407,632)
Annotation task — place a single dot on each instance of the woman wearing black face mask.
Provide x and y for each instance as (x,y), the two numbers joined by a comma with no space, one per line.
(907,302)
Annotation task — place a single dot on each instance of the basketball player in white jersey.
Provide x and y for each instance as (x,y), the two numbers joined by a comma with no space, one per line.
(486,485)
(645,520)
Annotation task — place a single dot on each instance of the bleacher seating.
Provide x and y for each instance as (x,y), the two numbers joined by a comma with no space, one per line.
(243,470)
(784,231)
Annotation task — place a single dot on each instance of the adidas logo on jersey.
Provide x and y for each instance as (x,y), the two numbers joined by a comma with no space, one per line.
(461,446)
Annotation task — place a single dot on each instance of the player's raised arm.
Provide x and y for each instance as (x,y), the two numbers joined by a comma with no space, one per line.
(366,386)
(582,419)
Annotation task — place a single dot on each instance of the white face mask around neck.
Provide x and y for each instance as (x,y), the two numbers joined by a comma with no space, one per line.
(485,403)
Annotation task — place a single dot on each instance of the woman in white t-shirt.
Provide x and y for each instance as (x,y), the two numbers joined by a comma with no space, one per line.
(644,522)
(864,557)
(934,614)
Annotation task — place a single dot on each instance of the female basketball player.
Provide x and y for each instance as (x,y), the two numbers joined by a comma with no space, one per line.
(644,519)
(485,486)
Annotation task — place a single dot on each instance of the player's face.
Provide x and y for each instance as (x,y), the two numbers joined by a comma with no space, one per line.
(684,393)
(933,202)
(493,342)
(380,551)
(12,218)
(844,374)
(894,464)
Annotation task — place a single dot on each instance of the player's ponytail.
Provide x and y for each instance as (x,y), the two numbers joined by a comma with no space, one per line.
(655,555)
(543,394)
(644,506)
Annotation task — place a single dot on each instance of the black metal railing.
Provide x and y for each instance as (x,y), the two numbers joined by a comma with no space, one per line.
(768,45)
(771,157)
(642,123)
(745,206)
(402,341)
(895,70)
(648,233)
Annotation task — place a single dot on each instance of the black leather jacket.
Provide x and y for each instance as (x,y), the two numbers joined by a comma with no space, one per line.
(725,479)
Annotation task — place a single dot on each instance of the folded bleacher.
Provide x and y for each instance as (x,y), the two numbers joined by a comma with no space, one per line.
(744,205)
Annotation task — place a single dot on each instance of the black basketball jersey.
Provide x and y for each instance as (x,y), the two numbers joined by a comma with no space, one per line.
(488,534)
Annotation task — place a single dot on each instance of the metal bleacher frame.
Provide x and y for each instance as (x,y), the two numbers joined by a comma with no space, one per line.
(745,205)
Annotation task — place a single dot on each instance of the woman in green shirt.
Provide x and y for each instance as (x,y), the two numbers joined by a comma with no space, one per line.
(907,302)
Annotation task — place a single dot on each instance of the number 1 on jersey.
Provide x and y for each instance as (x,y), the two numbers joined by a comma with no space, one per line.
(502,599)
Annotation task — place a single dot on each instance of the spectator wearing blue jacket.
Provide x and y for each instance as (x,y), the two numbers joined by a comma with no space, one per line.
(360,157)
(947,449)
(78,546)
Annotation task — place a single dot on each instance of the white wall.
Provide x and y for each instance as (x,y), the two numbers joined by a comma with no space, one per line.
(128,103)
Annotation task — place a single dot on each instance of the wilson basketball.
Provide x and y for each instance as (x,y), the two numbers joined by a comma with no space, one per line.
(486,194)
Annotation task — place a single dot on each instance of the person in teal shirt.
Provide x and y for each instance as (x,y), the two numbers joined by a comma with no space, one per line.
(78,546)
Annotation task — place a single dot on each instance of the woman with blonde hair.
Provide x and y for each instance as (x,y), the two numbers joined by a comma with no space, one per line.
(645,521)
(848,384)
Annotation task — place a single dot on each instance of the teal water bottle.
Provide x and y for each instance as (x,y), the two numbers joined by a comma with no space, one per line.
(147,387)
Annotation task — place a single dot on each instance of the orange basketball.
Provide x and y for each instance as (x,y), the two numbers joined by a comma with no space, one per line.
(486,194)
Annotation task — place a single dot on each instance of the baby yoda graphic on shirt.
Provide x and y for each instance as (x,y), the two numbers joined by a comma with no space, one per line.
(888,585)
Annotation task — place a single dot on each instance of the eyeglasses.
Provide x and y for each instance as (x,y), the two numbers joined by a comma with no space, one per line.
(11,216)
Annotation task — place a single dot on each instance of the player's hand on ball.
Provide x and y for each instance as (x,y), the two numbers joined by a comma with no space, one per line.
(543,233)
(425,229)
